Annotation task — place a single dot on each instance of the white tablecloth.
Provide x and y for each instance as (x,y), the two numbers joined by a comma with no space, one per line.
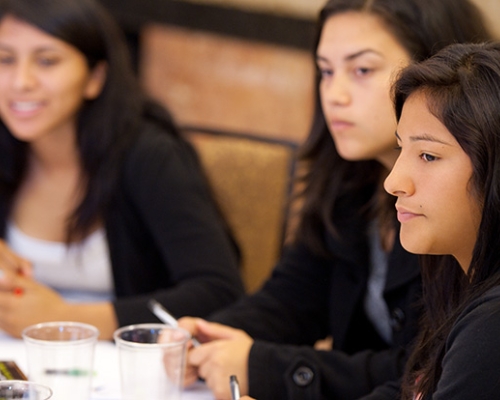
(106,382)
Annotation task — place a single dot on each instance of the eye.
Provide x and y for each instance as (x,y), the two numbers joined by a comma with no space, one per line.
(363,71)
(47,61)
(325,73)
(427,157)
(6,60)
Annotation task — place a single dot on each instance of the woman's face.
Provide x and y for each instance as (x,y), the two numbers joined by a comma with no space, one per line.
(358,58)
(432,181)
(43,82)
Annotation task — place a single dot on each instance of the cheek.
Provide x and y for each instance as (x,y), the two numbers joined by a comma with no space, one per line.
(384,106)
(378,104)
(322,100)
(70,94)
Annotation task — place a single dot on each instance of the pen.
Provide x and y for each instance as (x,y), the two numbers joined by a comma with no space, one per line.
(235,387)
(167,318)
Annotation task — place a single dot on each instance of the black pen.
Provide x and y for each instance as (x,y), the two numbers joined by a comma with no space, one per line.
(167,318)
(235,387)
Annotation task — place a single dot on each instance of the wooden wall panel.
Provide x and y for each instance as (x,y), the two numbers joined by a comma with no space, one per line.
(228,83)
(300,8)
(491,9)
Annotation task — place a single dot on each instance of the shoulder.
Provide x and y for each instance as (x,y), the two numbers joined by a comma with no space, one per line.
(154,137)
(477,328)
(157,145)
(472,356)
(159,155)
(482,316)
(484,307)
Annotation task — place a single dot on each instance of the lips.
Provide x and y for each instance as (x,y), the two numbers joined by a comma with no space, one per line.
(338,125)
(405,215)
(25,106)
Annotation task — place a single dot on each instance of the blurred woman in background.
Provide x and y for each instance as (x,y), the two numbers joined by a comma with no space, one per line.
(102,204)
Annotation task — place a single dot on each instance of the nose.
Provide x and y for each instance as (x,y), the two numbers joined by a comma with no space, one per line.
(24,76)
(399,182)
(336,90)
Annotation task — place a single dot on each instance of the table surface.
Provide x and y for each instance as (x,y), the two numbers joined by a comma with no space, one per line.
(106,382)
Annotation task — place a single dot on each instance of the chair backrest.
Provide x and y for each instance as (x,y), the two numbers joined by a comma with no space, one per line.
(252,180)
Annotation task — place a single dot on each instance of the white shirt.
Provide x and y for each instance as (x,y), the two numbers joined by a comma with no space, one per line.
(80,272)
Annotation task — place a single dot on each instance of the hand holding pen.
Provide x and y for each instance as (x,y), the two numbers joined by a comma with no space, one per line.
(164,316)
(237,345)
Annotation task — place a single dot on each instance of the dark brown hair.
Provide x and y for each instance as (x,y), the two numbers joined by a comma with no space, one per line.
(461,85)
(422,27)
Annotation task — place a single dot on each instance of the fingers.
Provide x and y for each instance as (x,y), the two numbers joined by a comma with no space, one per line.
(11,282)
(206,331)
(219,359)
(8,312)
(10,261)
(224,351)
(188,323)
(213,331)
(37,303)
(190,375)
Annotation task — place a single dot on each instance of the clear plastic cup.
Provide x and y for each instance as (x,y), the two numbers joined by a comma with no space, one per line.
(61,356)
(15,389)
(152,361)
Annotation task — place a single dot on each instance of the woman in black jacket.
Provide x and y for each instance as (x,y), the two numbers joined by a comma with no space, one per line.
(346,274)
(448,202)
(101,201)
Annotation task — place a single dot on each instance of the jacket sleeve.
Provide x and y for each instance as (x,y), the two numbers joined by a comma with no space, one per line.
(196,265)
(291,307)
(301,372)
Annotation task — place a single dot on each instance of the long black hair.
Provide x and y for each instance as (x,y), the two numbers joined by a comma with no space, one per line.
(106,126)
(422,27)
(462,87)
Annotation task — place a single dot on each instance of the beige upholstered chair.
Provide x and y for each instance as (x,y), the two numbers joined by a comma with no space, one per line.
(251,178)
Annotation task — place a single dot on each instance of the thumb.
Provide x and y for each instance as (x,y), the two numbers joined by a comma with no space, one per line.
(214,331)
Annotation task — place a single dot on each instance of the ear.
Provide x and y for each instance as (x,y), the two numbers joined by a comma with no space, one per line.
(96,81)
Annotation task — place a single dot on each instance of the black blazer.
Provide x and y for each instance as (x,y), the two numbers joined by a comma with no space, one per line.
(165,236)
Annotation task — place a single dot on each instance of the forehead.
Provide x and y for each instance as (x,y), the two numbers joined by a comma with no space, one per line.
(417,121)
(350,32)
(16,32)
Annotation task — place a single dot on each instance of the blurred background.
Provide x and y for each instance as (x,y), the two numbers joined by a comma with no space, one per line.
(243,67)
(237,65)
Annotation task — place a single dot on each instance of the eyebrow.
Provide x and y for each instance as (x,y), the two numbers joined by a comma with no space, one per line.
(353,56)
(424,137)
(7,47)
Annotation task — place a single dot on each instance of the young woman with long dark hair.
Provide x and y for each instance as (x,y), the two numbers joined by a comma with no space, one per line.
(447,184)
(101,201)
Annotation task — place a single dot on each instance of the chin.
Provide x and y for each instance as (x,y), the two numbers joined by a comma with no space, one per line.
(350,155)
(413,244)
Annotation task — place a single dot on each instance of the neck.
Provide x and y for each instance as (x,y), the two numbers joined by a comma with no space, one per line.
(55,153)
